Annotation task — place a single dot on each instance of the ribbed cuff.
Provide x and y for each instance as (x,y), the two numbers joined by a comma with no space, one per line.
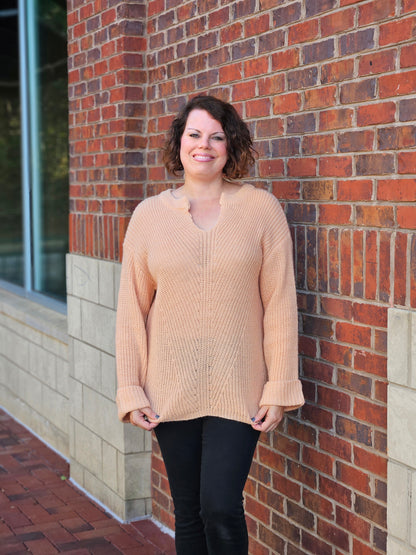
(130,398)
(283,394)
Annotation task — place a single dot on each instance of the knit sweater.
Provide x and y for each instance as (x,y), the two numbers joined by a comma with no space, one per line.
(207,320)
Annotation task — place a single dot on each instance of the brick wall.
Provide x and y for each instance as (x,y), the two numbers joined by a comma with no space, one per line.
(327,87)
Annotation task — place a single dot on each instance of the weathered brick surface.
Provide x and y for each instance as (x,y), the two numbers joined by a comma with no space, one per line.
(328,91)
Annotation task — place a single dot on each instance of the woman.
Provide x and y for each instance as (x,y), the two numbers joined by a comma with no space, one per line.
(207,324)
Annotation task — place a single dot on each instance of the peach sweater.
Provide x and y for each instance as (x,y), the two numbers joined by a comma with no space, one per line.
(207,320)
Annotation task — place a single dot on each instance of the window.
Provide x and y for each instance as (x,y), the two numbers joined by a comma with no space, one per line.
(34,145)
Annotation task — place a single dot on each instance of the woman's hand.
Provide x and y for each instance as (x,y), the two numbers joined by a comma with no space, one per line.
(144,418)
(268,418)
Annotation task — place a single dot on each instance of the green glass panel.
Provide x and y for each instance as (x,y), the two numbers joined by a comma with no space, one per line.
(49,143)
(11,236)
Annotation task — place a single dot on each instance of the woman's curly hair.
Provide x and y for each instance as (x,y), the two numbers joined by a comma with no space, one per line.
(239,144)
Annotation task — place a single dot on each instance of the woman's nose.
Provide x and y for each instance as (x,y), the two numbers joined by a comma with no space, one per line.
(204,142)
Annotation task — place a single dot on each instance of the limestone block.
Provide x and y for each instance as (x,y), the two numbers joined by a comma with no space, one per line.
(401,431)
(75,400)
(106,283)
(413,354)
(110,466)
(55,408)
(68,269)
(395,547)
(77,473)
(126,510)
(100,415)
(42,364)
(108,376)
(134,476)
(85,277)
(398,500)
(86,364)
(15,348)
(413,510)
(398,346)
(58,348)
(62,377)
(88,451)
(98,326)
(135,439)
(30,389)
(74,317)
(117,274)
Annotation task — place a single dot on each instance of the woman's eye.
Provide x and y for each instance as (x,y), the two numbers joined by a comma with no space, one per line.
(194,135)
(218,138)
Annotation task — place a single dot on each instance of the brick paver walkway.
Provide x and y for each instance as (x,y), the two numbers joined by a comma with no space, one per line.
(42,513)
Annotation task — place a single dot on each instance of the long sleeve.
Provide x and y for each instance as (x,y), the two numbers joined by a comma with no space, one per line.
(280,344)
(134,301)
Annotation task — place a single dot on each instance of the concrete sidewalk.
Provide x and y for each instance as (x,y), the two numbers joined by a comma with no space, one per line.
(42,513)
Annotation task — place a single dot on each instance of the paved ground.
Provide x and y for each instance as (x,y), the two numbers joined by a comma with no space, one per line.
(42,513)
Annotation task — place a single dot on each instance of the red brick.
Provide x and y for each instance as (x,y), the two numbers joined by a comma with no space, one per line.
(363,549)
(372,462)
(397,31)
(407,162)
(318,504)
(376,11)
(301,167)
(345,259)
(256,25)
(400,268)
(335,119)
(320,98)
(370,412)
(374,164)
(337,71)
(286,103)
(353,190)
(383,61)
(261,512)
(286,59)
(335,166)
(256,66)
(384,267)
(318,190)
(231,72)
(258,108)
(303,32)
(333,399)
(407,56)
(371,510)
(375,216)
(397,84)
(352,476)
(335,491)
(356,431)
(336,22)
(334,214)
(358,526)
(375,114)
(271,168)
(286,487)
(231,33)
(351,333)
(332,533)
(406,217)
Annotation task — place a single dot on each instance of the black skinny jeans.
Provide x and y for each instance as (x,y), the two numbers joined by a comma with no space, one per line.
(207,461)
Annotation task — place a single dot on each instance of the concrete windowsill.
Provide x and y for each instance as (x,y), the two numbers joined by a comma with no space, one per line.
(33,314)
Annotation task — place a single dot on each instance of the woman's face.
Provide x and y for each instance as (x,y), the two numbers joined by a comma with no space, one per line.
(203,150)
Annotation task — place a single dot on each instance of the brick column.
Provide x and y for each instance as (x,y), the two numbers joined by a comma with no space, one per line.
(107,114)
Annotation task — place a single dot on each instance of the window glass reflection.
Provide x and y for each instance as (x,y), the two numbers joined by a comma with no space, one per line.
(11,235)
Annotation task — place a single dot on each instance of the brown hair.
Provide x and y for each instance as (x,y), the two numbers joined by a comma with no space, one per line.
(239,144)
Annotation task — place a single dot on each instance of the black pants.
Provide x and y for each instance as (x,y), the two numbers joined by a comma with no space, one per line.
(207,461)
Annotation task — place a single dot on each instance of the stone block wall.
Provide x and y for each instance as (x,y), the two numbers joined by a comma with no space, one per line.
(108,459)
(401,507)
(34,383)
